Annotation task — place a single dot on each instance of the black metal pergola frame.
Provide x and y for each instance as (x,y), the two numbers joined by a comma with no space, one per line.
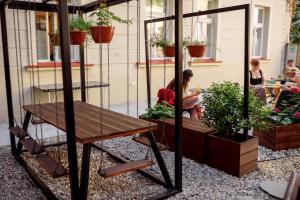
(63,9)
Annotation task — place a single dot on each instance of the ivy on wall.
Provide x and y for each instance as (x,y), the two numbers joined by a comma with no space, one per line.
(295,27)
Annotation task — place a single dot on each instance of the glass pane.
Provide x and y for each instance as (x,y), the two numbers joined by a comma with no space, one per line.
(42,36)
(157,6)
(209,36)
(258,15)
(257,41)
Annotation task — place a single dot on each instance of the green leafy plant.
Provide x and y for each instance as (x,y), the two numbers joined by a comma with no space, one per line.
(159,40)
(295,28)
(188,42)
(104,17)
(223,105)
(287,109)
(79,24)
(160,111)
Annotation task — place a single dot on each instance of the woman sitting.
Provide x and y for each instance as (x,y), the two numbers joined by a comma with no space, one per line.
(190,101)
(257,80)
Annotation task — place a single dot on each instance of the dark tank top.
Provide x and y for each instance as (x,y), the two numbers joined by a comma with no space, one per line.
(256,81)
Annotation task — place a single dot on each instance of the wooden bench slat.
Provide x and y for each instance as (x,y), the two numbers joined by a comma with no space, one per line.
(53,168)
(38,121)
(126,167)
(18,132)
(31,145)
(145,141)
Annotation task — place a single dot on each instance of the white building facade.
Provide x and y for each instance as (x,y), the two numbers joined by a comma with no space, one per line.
(223,60)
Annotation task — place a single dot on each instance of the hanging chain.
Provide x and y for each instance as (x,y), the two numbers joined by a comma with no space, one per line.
(138,33)
(108,75)
(18,71)
(128,59)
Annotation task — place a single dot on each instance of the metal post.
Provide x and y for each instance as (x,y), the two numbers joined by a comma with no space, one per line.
(82,72)
(178,94)
(147,66)
(85,169)
(246,68)
(68,97)
(10,110)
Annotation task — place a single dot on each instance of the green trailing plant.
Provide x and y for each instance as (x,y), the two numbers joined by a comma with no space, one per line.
(159,40)
(287,109)
(104,17)
(188,42)
(160,111)
(223,105)
(295,27)
(79,24)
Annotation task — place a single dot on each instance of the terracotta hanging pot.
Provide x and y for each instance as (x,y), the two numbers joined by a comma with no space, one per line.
(77,37)
(169,51)
(54,39)
(196,50)
(102,34)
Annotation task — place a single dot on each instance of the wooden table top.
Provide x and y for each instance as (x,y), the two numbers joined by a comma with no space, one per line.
(75,86)
(91,122)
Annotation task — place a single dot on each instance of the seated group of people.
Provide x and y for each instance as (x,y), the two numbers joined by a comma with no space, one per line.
(191,101)
(257,80)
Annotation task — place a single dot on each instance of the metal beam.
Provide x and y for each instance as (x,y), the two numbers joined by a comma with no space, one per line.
(200,13)
(178,93)
(34,6)
(68,98)
(95,4)
(9,100)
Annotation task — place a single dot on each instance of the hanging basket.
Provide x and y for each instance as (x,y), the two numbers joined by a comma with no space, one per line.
(169,51)
(196,50)
(102,34)
(77,37)
(54,39)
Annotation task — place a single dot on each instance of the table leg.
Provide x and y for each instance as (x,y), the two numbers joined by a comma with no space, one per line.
(25,128)
(85,169)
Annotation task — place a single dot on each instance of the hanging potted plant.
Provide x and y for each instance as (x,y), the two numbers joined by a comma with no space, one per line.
(283,123)
(78,30)
(196,48)
(55,38)
(158,40)
(102,29)
(228,150)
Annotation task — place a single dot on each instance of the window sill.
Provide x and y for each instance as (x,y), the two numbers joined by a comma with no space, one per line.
(204,62)
(157,63)
(49,66)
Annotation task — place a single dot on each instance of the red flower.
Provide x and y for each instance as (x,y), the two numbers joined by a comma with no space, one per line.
(166,95)
(295,90)
(277,110)
(297,115)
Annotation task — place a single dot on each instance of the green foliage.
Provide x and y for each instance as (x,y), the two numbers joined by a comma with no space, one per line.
(159,3)
(159,40)
(287,110)
(295,28)
(79,24)
(160,111)
(104,17)
(224,109)
(188,41)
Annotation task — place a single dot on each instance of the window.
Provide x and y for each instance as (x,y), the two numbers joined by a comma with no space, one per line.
(260,31)
(157,11)
(45,22)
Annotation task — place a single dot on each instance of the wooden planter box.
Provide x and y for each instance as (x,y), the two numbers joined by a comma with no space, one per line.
(279,137)
(232,157)
(193,137)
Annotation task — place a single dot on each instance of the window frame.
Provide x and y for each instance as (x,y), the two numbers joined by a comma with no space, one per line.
(258,25)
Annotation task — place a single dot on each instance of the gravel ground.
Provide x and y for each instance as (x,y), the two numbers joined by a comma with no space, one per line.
(199,181)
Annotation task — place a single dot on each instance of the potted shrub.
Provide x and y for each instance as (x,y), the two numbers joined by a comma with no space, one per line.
(227,149)
(55,38)
(78,30)
(283,123)
(196,48)
(102,30)
(160,41)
